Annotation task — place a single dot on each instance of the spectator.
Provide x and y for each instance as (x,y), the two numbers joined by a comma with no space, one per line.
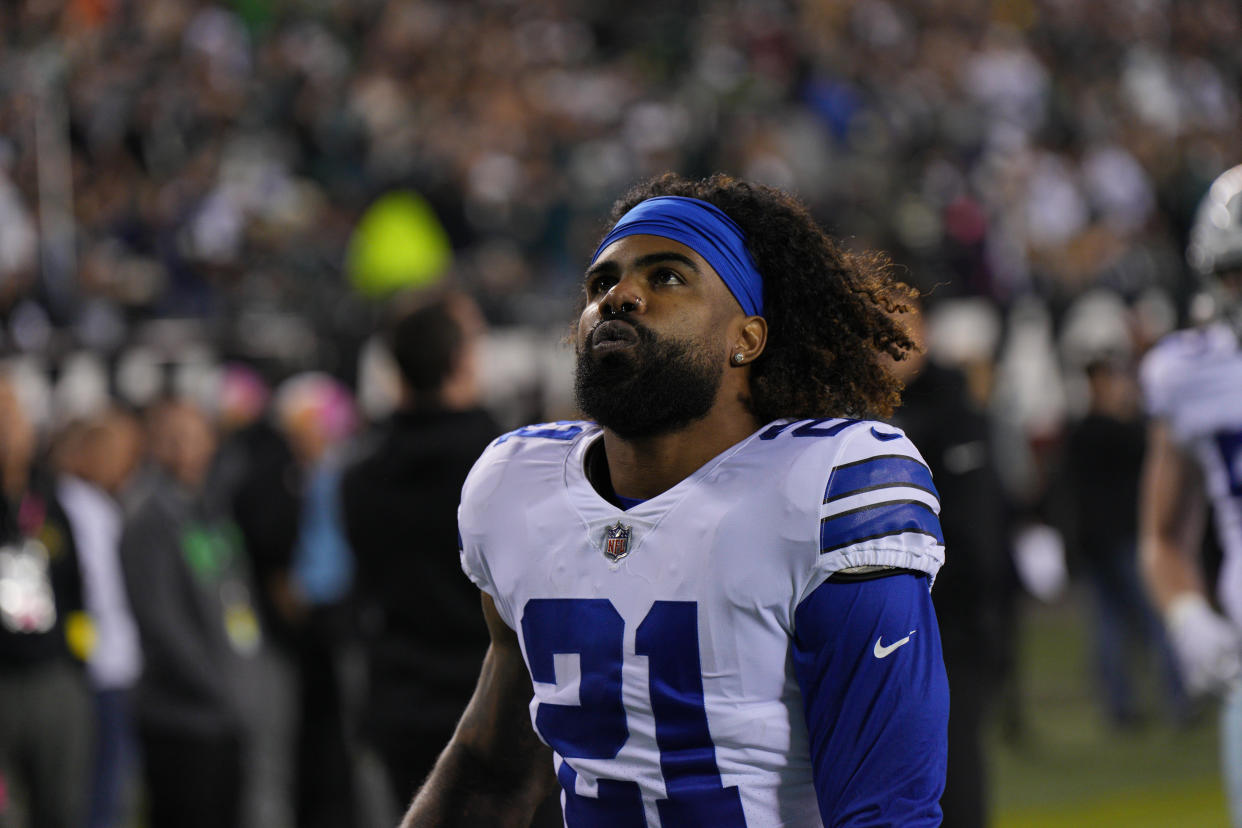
(1097,495)
(45,726)
(188,587)
(421,627)
(315,414)
(258,479)
(96,460)
(938,415)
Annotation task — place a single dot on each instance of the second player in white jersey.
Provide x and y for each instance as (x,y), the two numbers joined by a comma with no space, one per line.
(1192,381)
(659,637)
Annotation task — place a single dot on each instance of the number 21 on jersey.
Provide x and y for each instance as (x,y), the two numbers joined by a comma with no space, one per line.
(596,727)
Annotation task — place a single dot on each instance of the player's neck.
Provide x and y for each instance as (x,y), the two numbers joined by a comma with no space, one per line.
(645,467)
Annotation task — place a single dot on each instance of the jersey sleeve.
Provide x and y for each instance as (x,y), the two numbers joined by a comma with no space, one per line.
(868,660)
(1157,375)
(473,563)
(877,507)
(495,503)
(1169,372)
(482,482)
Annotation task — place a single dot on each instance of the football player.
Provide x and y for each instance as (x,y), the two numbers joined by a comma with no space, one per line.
(1192,384)
(718,585)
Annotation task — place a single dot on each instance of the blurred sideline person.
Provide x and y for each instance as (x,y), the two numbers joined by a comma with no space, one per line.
(45,722)
(423,636)
(256,477)
(1192,384)
(191,598)
(1096,496)
(96,459)
(939,416)
(316,415)
(719,589)
(257,474)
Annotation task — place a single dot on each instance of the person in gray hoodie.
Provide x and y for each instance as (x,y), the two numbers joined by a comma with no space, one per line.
(191,598)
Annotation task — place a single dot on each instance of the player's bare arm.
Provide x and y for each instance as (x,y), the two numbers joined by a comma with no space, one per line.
(1172,515)
(495,771)
(1172,523)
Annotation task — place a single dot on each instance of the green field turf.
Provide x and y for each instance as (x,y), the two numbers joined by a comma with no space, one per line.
(1071,769)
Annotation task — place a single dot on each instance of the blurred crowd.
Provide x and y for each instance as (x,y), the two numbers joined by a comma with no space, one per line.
(200,158)
(242,615)
(183,328)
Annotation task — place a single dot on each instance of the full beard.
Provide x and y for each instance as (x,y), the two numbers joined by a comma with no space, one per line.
(658,387)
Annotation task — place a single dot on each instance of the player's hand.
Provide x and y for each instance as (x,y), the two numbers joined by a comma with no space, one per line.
(1208,647)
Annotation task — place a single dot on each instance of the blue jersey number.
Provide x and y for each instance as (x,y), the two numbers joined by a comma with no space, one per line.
(808,428)
(596,728)
(1230,443)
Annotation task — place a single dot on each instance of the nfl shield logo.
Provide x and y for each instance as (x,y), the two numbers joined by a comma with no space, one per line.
(616,541)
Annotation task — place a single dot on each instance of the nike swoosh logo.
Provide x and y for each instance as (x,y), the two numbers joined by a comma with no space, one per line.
(882,651)
(879,435)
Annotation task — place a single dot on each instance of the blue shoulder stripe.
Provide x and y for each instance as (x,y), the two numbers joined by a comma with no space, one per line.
(559,430)
(894,517)
(880,472)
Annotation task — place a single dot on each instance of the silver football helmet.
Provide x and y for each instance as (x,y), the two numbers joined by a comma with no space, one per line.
(1215,248)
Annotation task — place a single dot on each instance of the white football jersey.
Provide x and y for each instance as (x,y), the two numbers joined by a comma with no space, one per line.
(1193,381)
(669,625)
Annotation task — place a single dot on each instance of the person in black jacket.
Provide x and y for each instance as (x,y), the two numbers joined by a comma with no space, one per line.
(45,722)
(422,630)
(939,416)
(1098,502)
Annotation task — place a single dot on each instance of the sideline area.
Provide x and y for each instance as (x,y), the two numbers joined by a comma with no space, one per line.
(1071,769)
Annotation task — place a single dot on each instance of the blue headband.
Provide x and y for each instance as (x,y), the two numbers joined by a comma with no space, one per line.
(706,230)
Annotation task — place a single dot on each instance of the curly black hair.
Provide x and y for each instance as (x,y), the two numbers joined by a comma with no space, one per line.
(832,315)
